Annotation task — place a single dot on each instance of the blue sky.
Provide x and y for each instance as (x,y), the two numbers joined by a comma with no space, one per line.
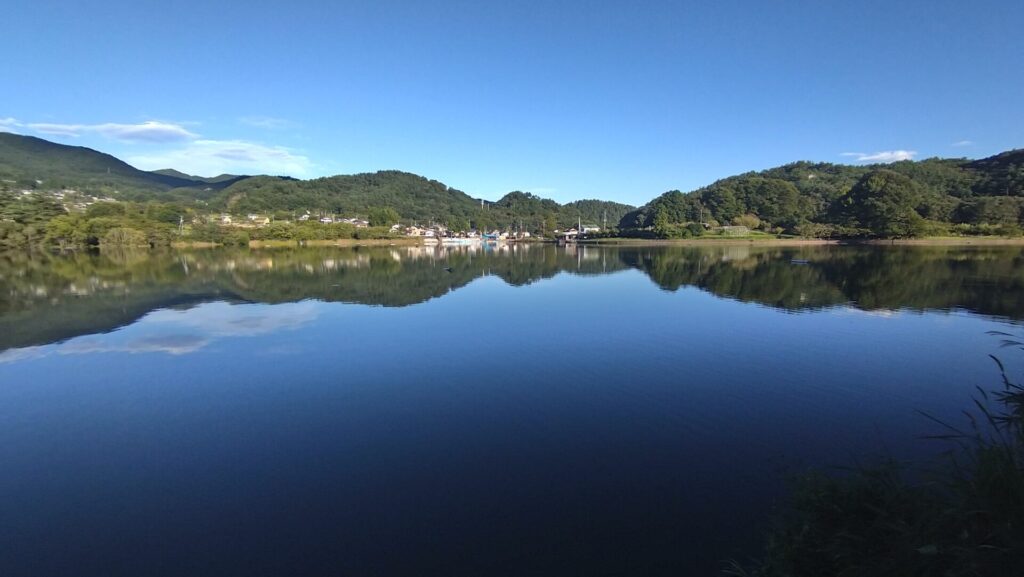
(571,99)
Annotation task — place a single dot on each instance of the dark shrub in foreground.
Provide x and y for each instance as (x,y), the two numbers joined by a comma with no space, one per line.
(964,518)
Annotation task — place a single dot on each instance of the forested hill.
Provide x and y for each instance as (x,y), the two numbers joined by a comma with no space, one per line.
(536,213)
(229,178)
(908,198)
(36,164)
(412,196)
(30,162)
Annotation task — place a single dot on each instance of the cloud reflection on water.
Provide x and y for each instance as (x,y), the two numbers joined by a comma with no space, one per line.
(179,332)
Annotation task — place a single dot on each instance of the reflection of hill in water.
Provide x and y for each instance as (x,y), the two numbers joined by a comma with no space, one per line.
(48,298)
(984,280)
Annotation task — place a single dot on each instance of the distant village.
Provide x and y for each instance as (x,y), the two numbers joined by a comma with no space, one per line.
(76,201)
(426,231)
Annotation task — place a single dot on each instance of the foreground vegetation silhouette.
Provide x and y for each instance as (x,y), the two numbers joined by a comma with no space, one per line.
(963,517)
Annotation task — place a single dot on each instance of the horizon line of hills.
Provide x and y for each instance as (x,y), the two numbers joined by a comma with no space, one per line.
(895,199)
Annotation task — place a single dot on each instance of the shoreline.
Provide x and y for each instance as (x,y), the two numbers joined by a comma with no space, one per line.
(405,241)
(342,242)
(937,241)
(782,242)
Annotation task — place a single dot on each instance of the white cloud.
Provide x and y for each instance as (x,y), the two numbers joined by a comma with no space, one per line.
(8,124)
(267,122)
(185,150)
(961,143)
(149,131)
(884,156)
(212,157)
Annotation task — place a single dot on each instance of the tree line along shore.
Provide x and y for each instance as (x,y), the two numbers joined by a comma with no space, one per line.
(57,196)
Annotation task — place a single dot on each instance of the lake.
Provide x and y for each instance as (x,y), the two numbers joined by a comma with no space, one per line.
(526,410)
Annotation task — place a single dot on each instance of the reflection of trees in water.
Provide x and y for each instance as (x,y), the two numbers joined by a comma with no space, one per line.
(45,297)
(986,280)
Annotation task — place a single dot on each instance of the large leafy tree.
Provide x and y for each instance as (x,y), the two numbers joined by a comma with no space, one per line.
(884,202)
(457,223)
(721,200)
(383,216)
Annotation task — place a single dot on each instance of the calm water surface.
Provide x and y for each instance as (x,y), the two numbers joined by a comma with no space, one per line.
(410,411)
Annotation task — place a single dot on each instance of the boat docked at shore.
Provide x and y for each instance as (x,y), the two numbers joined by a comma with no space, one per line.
(460,241)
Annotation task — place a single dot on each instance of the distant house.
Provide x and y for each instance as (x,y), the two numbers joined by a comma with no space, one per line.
(567,234)
(588,228)
(225,219)
(327,220)
(304,218)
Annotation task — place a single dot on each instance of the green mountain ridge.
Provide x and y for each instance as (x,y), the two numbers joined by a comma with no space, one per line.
(212,180)
(25,160)
(817,198)
(906,198)
(32,163)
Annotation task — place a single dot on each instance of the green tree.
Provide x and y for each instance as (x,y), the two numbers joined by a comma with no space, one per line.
(483,221)
(167,213)
(123,237)
(723,204)
(457,223)
(12,235)
(34,208)
(883,201)
(550,223)
(993,210)
(383,216)
(94,229)
(748,220)
(98,209)
(662,223)
(65,231)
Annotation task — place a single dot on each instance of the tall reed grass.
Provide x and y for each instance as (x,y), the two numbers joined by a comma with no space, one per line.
(961,517)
